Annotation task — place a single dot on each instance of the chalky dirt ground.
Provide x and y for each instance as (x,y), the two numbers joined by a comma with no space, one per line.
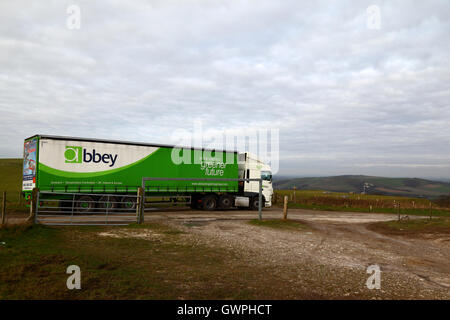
(329,258)
(325,259)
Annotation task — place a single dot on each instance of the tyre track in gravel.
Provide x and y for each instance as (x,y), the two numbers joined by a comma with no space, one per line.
(334,240)
(424,259)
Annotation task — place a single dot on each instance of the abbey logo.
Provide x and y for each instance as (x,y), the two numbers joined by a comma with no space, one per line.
(75,154)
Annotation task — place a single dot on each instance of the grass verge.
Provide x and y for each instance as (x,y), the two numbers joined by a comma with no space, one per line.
(413,227)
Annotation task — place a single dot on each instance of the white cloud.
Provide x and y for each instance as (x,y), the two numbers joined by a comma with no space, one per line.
(341,94)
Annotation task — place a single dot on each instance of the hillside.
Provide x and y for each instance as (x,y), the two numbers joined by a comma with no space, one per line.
(10,175)
(376,185)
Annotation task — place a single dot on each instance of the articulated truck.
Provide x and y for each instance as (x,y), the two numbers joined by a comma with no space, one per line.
(89,168)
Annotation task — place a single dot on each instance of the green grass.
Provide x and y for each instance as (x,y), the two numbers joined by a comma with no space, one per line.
(11,182)
(312,194)
(279,224)
(34,260)
(338,201)
(420,224)
(414,227)
(11,175)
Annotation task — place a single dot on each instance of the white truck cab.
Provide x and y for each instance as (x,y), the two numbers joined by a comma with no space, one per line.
(250,167)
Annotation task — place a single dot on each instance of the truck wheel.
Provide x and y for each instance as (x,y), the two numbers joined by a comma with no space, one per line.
(255,203)
(128,203)
(105,202)
(209,202)
(225,201)
(85,204)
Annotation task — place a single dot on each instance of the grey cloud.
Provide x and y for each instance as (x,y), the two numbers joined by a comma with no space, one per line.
(346,99)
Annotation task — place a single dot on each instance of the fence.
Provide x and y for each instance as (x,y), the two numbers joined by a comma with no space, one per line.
(3,209)
(60,208)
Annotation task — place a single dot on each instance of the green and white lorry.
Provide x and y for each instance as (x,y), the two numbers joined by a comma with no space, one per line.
(92,167)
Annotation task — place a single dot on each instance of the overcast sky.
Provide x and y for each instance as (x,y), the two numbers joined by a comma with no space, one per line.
(349,93)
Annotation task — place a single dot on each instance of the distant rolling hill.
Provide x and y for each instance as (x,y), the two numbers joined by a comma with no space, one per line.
(413,187)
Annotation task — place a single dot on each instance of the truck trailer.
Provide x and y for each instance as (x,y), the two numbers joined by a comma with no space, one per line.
(92,167)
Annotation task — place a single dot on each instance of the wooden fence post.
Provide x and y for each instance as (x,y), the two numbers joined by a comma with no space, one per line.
(295,188)
(431,210)
(285,207)
(140,205)
(33,204)
(4,208)
(398,210)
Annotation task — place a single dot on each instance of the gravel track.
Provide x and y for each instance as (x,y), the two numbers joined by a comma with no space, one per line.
(332,254)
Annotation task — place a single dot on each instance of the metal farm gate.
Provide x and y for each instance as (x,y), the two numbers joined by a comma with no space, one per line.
(103,209)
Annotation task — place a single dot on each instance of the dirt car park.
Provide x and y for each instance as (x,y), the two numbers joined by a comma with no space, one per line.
(342,244)
(326,258)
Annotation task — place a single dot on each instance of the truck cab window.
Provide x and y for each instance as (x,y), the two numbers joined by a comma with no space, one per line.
(266,175)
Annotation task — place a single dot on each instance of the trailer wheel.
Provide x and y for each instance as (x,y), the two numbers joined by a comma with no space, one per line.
(107,202)
(209,202)
(225,201)
(85,204)
(254,204)
(128,203)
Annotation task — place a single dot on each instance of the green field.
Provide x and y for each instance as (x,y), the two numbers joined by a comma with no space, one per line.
(339,201)
(11,175)
(11,182)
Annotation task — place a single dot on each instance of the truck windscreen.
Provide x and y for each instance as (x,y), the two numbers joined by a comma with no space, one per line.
(266,175)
